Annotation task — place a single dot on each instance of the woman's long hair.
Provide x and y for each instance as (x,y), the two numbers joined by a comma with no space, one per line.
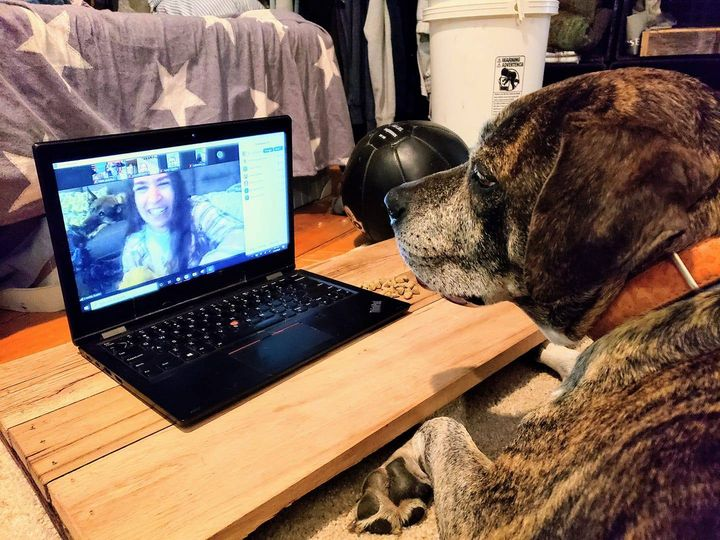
(181,235)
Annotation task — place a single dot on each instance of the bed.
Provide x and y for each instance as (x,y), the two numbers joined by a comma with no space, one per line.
(73,71)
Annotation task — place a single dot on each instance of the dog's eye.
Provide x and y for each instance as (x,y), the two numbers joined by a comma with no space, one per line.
(483,181)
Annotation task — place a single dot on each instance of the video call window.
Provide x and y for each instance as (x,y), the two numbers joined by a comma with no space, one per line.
(148,219)
(173,160)
(148,165)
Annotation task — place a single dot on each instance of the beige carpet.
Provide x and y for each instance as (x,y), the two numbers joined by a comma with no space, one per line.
(21,514)
(491,412)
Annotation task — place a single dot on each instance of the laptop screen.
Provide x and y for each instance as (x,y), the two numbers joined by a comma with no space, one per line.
(140,221)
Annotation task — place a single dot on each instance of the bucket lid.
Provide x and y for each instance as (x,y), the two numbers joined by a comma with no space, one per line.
(457,9)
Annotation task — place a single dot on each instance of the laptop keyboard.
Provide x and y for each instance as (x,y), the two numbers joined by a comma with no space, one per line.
(167,345)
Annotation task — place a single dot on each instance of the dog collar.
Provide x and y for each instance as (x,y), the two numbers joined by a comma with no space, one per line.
(670,279)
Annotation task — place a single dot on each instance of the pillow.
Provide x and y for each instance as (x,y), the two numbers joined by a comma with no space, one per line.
(199,8)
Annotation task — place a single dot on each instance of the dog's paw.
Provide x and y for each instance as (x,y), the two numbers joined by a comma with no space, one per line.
(392,497)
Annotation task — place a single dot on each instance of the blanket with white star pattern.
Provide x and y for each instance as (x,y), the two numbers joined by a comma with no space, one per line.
(71,71)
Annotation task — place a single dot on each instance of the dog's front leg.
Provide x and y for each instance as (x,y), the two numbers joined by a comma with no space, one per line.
(561,359)
(440,457)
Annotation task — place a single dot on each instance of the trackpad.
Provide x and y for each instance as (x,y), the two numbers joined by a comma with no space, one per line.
(284,349)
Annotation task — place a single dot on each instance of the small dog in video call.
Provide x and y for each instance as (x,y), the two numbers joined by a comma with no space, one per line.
(572,193)
(102,211)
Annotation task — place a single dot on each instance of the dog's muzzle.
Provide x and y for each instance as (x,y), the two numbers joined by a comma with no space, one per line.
(396,204)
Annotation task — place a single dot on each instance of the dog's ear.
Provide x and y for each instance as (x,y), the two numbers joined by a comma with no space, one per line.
(616,196)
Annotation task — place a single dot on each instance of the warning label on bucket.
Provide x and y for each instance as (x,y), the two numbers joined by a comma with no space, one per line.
(508,81)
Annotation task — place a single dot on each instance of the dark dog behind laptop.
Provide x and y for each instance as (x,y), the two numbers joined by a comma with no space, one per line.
(571,191)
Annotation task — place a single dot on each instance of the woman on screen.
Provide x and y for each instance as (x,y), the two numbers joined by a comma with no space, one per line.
(169,232)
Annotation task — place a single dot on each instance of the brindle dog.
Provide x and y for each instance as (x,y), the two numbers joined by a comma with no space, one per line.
(571,191)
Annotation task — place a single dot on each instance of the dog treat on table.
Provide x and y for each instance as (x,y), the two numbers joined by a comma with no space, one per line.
(394,287)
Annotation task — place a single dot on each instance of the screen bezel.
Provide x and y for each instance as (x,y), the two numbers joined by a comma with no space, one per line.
(86,323)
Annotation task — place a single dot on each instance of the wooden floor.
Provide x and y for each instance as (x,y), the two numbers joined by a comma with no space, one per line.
(319,235)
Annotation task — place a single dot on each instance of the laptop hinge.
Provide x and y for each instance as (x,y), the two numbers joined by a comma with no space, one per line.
(274,276)
(113,332)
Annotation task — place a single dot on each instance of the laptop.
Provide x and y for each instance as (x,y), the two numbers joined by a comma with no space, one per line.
(176,261)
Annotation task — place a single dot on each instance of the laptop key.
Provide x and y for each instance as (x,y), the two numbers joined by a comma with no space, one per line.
(184,353)
(203,348)
(139,356)
(127,352)
(269,321)
(220,340)
(117,346)
(139,362)
(150,370)
(168,362)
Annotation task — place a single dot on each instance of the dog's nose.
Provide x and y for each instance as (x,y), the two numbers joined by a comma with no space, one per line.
(395,205)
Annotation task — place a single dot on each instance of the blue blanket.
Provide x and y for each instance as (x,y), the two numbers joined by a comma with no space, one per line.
(72,71)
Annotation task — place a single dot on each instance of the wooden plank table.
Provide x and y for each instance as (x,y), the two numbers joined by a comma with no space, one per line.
(112,468)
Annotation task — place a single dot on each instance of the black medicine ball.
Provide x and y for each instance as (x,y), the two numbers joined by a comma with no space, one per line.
(389,156)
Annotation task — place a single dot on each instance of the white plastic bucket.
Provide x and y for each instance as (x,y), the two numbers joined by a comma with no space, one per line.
(484,54)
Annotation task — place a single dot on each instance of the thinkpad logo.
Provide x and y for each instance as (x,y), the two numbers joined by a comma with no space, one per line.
(376,306)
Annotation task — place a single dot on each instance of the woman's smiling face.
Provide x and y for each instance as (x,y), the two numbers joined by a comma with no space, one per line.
(154,199)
